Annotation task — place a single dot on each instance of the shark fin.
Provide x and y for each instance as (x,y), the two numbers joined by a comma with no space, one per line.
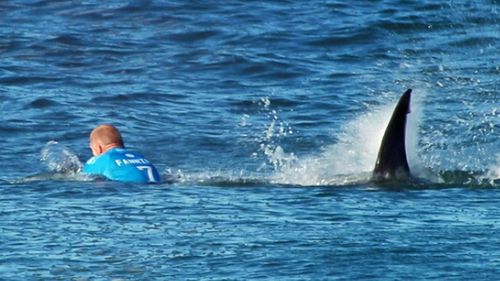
(392,163)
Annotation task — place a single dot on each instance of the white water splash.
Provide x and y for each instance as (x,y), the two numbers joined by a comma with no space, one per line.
(60,159)
(352,158)
(417,166)
(493,173)
(270,137)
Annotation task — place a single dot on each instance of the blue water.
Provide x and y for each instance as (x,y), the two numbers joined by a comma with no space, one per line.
(264,119)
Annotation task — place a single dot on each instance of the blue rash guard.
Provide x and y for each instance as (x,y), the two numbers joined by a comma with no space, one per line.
(123,165)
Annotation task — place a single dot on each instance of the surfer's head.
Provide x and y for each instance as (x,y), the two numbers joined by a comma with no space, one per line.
(103,138)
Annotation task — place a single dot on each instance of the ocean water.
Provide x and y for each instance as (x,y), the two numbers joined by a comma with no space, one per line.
(264,118)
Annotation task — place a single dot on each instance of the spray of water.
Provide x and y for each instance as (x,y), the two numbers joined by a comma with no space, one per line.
(270,137)
(60,159)
(493,174)
(61,163)
(352,158)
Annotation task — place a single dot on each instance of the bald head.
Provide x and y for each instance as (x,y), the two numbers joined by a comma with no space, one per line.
(103,138)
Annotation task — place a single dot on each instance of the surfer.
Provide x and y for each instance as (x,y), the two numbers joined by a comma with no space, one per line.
(112,160)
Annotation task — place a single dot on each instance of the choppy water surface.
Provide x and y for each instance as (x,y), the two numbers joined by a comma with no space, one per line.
(265,119)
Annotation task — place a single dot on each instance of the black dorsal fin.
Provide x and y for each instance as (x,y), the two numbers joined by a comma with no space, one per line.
(391,161)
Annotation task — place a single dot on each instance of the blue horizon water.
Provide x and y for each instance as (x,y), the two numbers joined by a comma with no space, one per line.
(264,119)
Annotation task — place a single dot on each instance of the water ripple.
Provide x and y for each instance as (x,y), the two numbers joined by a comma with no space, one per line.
(252,111)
